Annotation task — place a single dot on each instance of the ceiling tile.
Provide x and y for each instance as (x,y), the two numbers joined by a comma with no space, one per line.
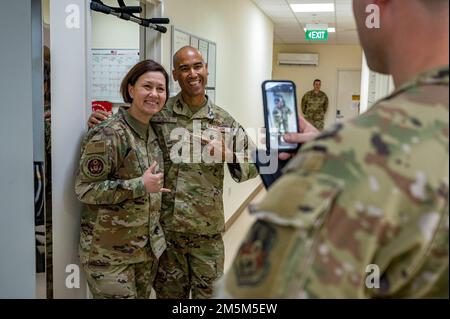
(288,26)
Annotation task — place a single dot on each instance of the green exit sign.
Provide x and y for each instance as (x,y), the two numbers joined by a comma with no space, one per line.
(317,35)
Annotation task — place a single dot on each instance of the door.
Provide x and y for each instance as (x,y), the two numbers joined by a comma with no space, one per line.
(20,131)
(348,94)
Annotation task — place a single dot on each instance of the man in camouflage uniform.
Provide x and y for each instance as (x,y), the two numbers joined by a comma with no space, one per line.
(281,115)
(315,106)
(362,212)
(192,215)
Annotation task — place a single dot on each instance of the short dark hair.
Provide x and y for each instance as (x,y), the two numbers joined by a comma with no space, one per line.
(278,98)
(136,72)
(317,80)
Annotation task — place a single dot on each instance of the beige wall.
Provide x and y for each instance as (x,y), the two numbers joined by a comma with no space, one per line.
(244,38)
(46,11)
(331,59)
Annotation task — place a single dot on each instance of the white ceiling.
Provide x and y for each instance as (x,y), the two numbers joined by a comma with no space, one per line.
(288,26)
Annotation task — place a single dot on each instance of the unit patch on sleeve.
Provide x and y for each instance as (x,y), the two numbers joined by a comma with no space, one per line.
(95,167)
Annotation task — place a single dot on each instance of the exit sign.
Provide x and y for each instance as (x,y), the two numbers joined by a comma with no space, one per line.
(317,35)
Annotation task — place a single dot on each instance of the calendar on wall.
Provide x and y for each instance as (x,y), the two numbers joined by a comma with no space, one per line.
(109,66)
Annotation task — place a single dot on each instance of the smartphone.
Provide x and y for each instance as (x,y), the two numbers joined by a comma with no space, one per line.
(280,114)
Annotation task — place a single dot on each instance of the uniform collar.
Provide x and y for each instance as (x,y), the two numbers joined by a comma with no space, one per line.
(205,112)
(439,75)
(144,131)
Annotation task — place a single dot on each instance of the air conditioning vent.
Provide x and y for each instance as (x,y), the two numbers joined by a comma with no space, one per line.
(298,59)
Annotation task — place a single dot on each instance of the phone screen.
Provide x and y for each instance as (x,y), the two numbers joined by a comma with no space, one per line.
(280,109)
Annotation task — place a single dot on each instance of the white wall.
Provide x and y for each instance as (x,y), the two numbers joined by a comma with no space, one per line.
(244,38)
(70,109)
(374,86)
(110,32)
(17,89)
(331,59)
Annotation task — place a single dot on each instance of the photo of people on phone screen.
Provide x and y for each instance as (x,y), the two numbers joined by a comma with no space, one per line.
(281,112)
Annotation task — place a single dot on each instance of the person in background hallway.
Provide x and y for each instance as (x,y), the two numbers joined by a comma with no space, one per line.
(315,105)
(120,181)
(362,211)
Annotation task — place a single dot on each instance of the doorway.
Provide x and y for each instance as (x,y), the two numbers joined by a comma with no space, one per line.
(348,94)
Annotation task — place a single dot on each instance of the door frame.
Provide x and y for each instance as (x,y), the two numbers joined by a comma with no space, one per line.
(150,41)
(337,86)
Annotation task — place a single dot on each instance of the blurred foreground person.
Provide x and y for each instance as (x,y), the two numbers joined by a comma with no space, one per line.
(362,211)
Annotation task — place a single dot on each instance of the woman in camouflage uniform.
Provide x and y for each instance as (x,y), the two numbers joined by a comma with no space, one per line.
(120,182)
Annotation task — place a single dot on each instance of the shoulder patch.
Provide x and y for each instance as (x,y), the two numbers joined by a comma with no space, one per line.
(94,167)
(96,148)
(252,261)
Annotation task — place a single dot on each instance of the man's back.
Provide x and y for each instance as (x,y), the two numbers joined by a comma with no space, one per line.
(367,198)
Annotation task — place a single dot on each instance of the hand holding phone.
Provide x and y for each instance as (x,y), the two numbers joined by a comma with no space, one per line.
(280,114)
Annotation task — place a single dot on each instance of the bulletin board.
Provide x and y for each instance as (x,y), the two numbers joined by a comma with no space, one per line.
(109,66)
(207,48)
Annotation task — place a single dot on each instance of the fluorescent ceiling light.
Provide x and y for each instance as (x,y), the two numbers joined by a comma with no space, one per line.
(330,30)
(313,7)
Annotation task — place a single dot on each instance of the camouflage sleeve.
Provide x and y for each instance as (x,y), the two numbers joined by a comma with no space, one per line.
(325,104)
(101,154)
(275,255)
(307,243)
(242,169)
(303,104)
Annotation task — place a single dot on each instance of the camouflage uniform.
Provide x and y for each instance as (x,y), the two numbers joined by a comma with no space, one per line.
(370,195)
(314,108)
(121,237)
(192,215)
(281,118)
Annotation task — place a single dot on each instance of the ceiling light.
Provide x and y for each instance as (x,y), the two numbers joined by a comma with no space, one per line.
(313,7)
